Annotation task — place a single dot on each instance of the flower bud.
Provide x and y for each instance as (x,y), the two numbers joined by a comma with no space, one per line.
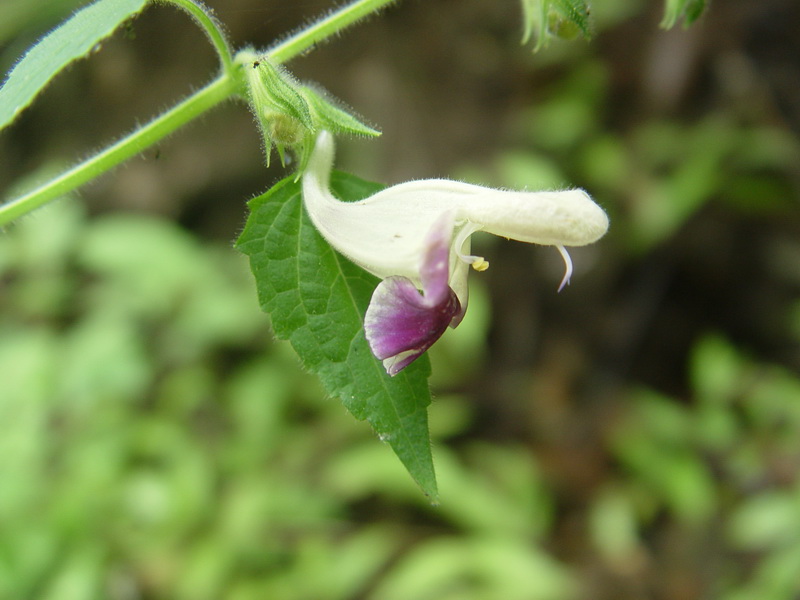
(291,114)
(280,109)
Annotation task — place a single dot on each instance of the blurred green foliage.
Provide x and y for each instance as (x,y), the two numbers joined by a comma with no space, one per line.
(686,10)
(725,465)
(654,176)
(544,19)
(21,16)
(156,444)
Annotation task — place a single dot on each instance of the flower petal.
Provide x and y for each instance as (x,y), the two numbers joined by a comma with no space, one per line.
(434,269)
(384,233)
(401,323)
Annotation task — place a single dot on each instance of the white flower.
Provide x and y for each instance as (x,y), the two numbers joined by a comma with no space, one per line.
(416,236)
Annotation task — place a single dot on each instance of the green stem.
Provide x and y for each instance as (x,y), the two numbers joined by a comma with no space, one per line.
(228,84)
(206,98)
(324,28)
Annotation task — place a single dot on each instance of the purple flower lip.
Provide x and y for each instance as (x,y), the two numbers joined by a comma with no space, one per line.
(416,235)
(401,323)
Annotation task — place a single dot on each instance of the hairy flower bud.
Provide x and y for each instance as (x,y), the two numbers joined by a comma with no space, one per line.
(291,114)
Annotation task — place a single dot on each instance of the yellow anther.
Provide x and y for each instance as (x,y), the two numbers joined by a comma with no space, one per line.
(480,264)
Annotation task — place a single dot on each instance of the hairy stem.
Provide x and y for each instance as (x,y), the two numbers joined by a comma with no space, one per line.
(208,97)
(228,84)
(324,28)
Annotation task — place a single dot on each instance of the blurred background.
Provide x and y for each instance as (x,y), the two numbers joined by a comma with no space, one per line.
(635,437)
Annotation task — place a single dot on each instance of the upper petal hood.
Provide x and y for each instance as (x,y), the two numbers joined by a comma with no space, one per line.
(385,232)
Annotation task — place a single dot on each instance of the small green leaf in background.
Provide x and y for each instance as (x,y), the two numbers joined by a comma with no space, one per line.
(73,39)
(316,299)
(565,19)
(688,10)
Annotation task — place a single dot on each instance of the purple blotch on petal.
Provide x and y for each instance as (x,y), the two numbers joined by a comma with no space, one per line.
(434,270)
(401,323)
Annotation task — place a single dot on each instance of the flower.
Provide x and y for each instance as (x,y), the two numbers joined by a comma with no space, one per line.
(415,236)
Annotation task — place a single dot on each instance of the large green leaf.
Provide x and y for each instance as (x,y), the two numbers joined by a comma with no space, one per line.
(73,39)
(316,299)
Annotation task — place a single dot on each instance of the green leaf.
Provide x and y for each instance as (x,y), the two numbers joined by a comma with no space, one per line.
(73,39)
(688,10)
(334,119)
(316,299)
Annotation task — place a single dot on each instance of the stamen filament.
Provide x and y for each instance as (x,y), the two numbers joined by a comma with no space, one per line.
(567,264)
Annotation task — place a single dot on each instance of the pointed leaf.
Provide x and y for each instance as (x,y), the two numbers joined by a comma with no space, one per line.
(317,299)
(688,10)
(73,39)
(333,118)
